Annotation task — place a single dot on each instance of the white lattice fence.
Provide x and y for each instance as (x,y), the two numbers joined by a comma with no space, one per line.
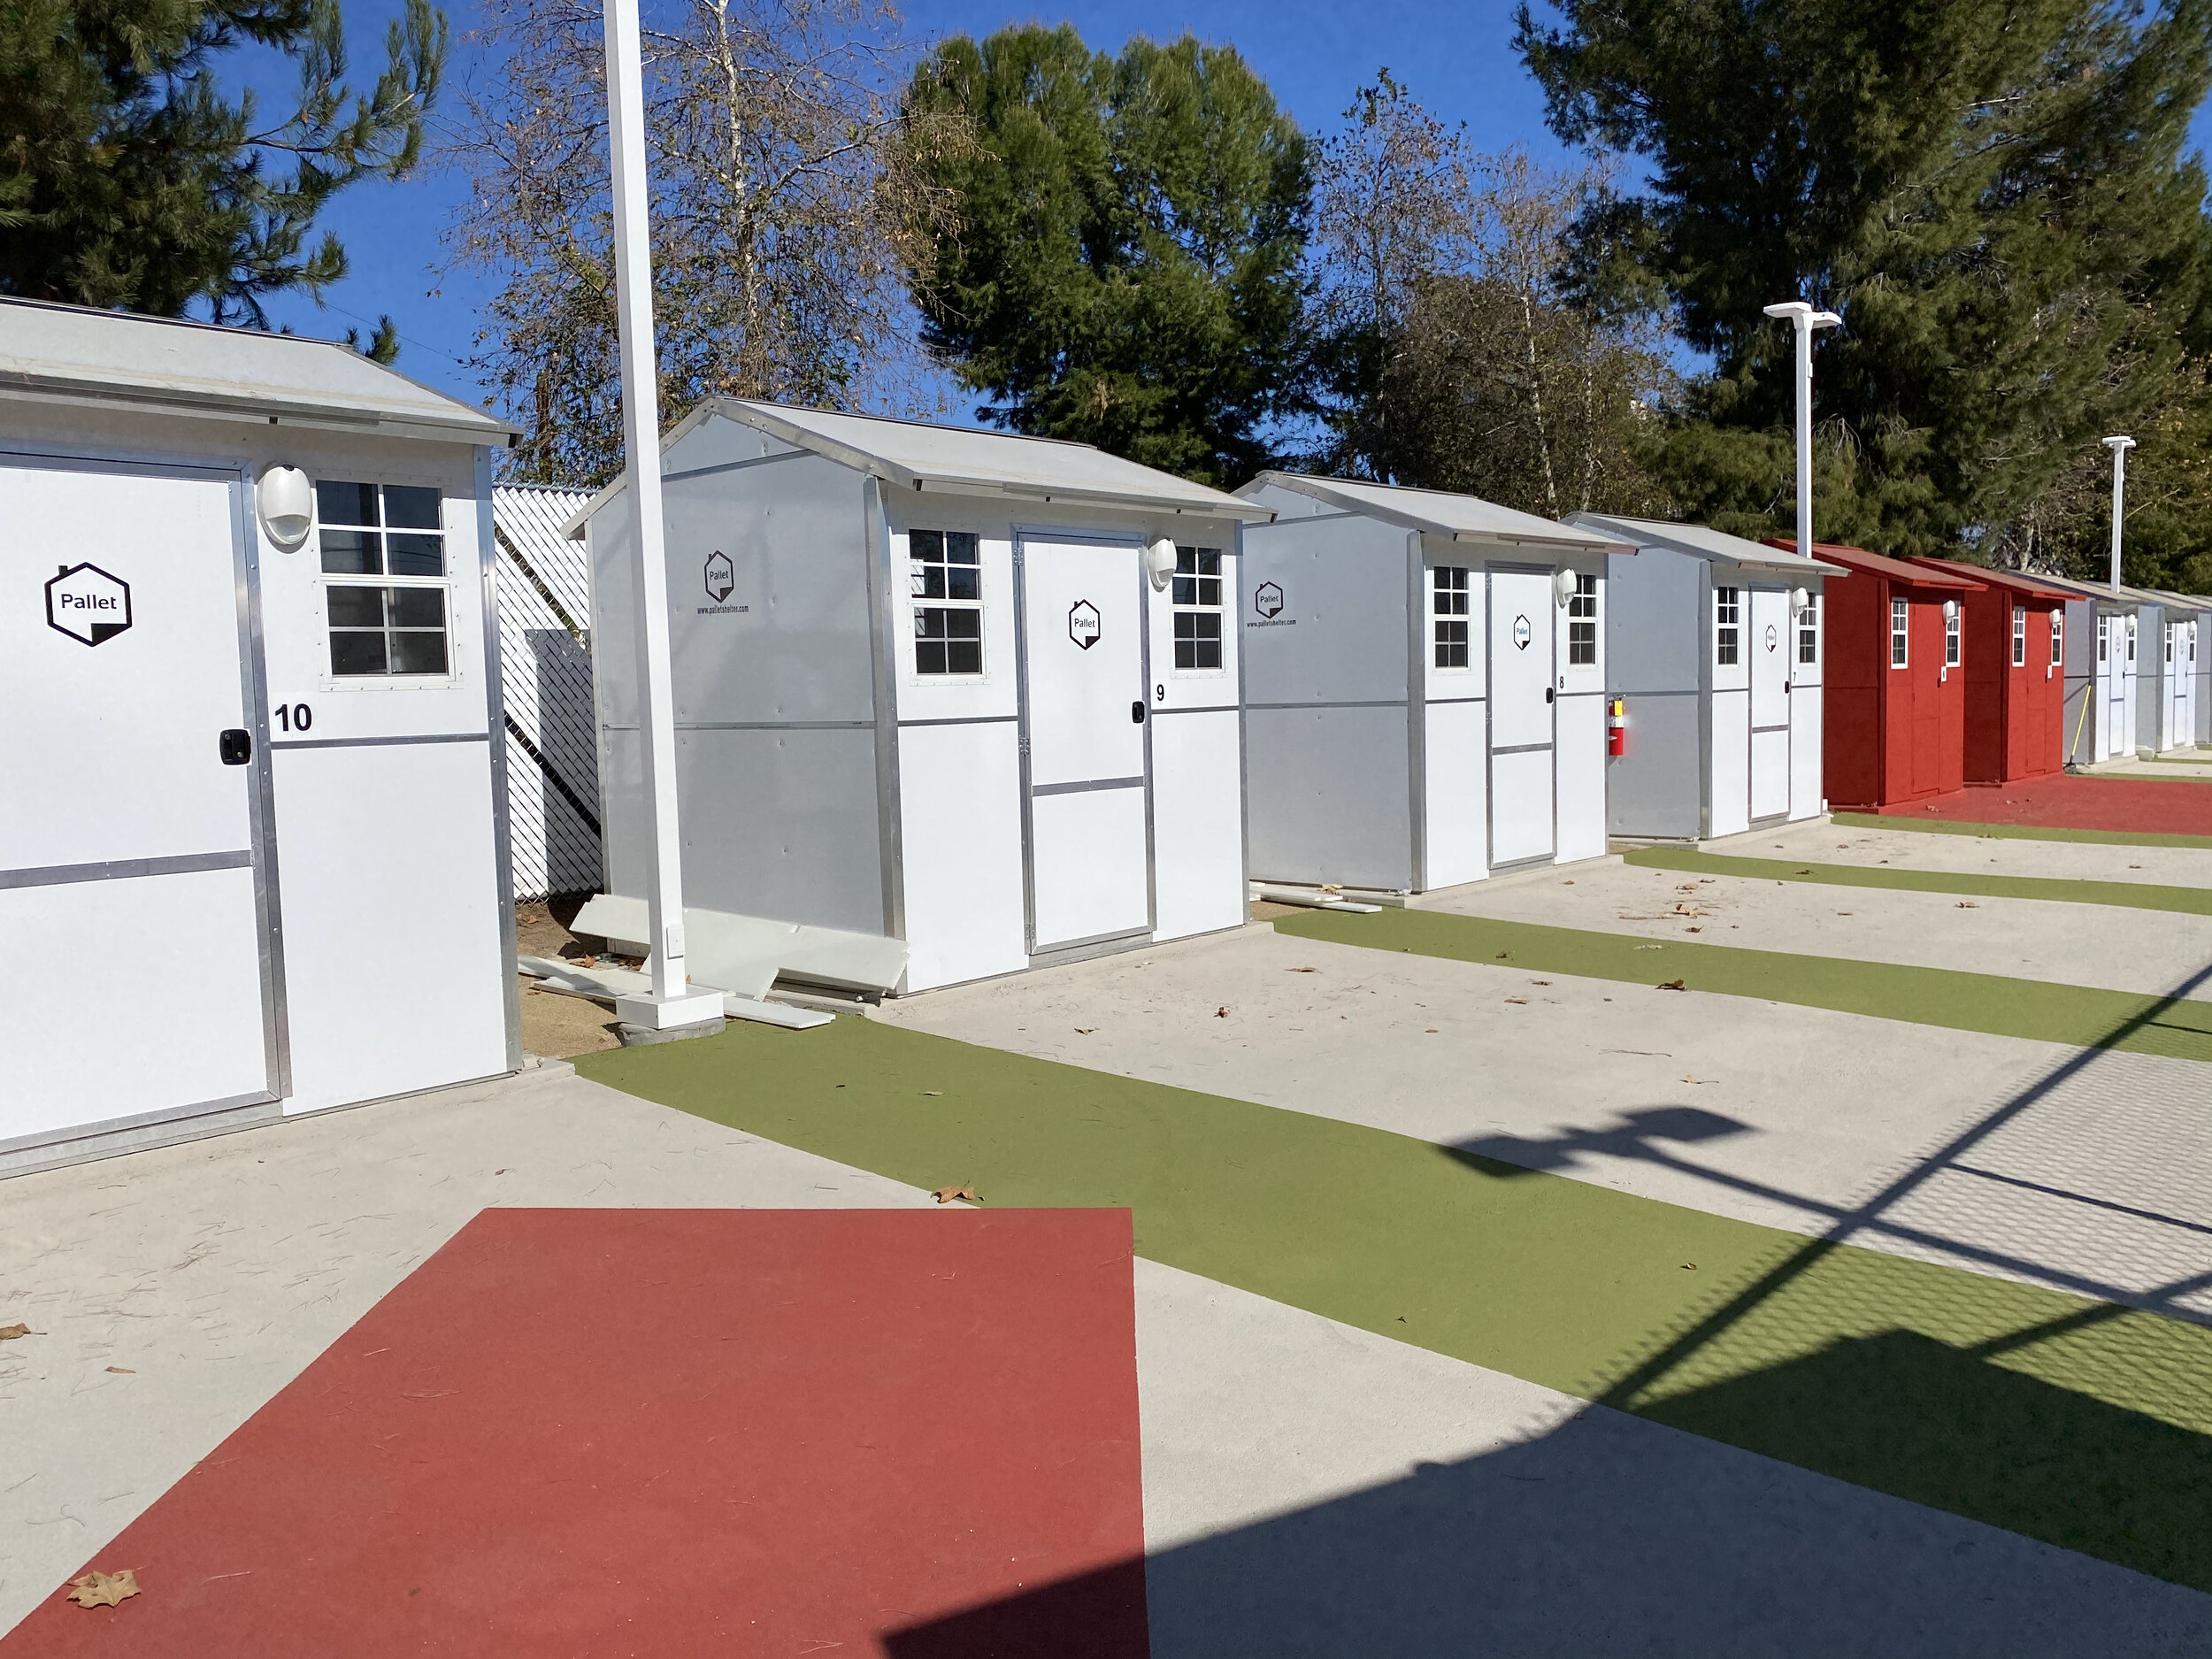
(545,662)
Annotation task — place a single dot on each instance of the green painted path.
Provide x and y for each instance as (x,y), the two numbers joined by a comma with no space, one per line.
(2177,760)
(2018,832)
(2070,1420)
(2127,895)
(2082,1016)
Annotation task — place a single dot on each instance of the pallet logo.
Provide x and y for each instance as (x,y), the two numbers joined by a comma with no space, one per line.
(1267,601)
(1522,634)
(1083,623)
(721,577)
(88,604)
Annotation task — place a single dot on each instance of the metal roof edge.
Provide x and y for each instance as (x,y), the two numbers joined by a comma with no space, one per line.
(1632,528)
(1299,483)
(260,411)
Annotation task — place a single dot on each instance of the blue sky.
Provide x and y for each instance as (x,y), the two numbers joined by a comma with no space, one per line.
(1456,59)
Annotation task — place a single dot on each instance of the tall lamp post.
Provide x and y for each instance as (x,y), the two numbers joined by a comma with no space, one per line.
(670,1003)
(2119,446)
(1806,320)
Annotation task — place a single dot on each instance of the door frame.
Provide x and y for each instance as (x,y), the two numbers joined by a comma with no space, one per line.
(1490,569)
(79,1139)
(1024,535)
(1786,645)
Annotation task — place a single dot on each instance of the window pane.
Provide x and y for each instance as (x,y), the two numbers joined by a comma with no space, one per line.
(963,656)
(353,553)
(411,507)
(1186,590)
(356,607)
(345,503)
(963,625)
(929,657)
(357,653)
(929,582)
(925,544)
(960,547)
(418,607)
(1186,561)
(414,555)
(1210,590)
(963,581)
(419,653)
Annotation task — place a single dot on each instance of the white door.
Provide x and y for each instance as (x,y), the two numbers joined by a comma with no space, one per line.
(1083,683)
(1771,644)
(1522,689)
(2129,682)
(128,857)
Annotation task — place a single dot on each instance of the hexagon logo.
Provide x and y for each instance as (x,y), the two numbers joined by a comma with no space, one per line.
(88,604)
(721,576)
(1083,623)
(1773,638)
(1522,634)
(1267,601)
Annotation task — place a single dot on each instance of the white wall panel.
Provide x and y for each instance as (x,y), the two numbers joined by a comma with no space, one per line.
(1805,752)
(1580,748)
(960,826)
(1455,757)
(1197,823)
(1730,800)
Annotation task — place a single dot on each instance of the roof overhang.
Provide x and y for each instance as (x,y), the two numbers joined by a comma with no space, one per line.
(1557,538)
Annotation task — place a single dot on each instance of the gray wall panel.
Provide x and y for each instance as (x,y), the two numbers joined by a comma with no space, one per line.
(1654,636)
(1655,788)
(1341,634)
(1328,795)
(783,825)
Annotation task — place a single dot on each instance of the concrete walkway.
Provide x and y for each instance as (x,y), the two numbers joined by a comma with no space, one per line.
(1978,855)
(1309,1488)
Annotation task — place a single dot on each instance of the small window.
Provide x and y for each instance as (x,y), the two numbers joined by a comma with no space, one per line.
(1809,632)
(1727,627)
(397,532)
(1899,630)
(2058,638)
(945,566)
(2170,642)
(1197,598)
(1582,624)
(2019,636)
(2130,627)
(1950,637)
(1450,590)
(2104,638)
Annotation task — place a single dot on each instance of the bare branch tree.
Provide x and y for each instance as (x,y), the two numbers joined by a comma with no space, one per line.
(788,208)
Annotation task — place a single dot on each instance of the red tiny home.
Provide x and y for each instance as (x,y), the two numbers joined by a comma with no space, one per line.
(1894,725)
(2016,674)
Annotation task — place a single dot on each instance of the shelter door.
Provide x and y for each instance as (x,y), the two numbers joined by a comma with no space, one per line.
(1522,687)
(1770,645)
(129,853)
(1089,817)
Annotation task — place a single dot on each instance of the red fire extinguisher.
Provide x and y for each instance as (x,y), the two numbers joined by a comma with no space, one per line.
(1616,725)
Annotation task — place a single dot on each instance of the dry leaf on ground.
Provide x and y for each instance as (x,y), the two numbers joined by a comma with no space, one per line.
(9,1332)
(1669,984)
(103,1589)
(121,1371)
(946,1195)
(1221,1013)
(1301,970)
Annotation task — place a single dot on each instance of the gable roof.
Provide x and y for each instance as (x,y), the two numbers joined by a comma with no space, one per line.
(2103,593)
(1439,512)
(1700,542)
(77,355)
(2032,586)
(1857,558)
(914,454)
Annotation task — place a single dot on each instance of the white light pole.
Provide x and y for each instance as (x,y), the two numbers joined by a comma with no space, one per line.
(670,1003)
(2119,448)
(1806,320)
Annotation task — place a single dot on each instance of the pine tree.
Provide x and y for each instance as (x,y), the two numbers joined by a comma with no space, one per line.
(128,179)
(1127,271)
(1991,192)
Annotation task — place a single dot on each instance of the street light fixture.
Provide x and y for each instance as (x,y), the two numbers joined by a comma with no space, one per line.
(2119,446)
(1806,320)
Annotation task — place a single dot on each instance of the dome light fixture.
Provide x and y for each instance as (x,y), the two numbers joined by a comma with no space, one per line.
(285,502)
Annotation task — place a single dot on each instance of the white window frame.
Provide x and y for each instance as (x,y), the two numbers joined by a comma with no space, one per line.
(2104,638)
(1191,581)
(2019,636)
(1954,637)
(2058,638)
(1809,632)
(2169,657)
(1451,582)
(1727,628)
(921,602)
(445,584)
(1899,633)
(2130,639)
(1582,612)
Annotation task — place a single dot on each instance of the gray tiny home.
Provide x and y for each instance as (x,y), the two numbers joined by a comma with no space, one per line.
(962,689)
(1714,650)
(2108,687)
(1424,685)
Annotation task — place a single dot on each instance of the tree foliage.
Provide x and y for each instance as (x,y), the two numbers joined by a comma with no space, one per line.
(788,200)
(1128,267)
(129,179)
(1991,192)
(1453,353)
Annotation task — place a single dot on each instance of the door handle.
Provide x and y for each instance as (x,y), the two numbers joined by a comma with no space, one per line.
(1136,711)
(1548,693)
(235,747)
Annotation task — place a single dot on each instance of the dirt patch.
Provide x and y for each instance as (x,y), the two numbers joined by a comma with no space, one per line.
(555,1026)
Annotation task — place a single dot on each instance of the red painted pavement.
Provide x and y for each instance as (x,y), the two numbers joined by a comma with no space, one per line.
(2063,801)
(676,1432)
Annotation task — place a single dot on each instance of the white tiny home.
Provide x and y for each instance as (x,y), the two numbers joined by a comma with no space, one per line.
(251,835)
(1424,685)
(1714,649)
(962,689)
(2104,636)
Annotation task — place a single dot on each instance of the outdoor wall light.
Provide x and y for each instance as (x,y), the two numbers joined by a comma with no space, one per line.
(1563,585)
(1801,601)
(1950,610)
(287,504)
(1159,560)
